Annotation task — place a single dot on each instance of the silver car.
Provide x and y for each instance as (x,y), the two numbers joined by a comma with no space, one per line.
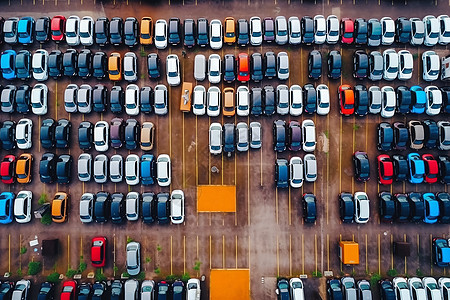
(282,99)
(147,290)
(133,258)
(349,288)
(281,30)
(84,167)
(215,138)
(132,169)
(242,137)
(130,67)
(8,98)
(86,208)
(101,168)
(85,99)
(116,168)
(70,98)
(21,290)
(310,168)
(255,135)
(132,206)
(375,66)
(161,99)
(364,290)
(374,100)
(131,289)
(283,66)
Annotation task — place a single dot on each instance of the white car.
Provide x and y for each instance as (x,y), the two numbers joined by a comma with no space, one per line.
(173,70)
(193,290)
(22,207)
(24,130)
(101,136)
(388,31)
(215,34)
(295,33)
(255,132)
(85,99)
(132,100)
(39,99)
(70,98)
(256,31)
(213,101)
(320,29)
(177,207)
(282,66)
(296,100)
(116,168)
(417,31)
(444,135)
(160,95)
(87,31)
(416,288)
(387,102)
(434,100)
(130,67)
(296,172)
(444,286)
(242,101)
(390,60)
(332,29)
(323,99)
(281,30)
(132,206)
(444,32)
(362,207)
(161,34)
(431,288)
(401,288)
(405,65)
(84,167)
(310,167)
(86,208)
(309,136)
(296,289)
(72,29)
(132,169)
(199,100)
(199,67)
(163,170)
(40,65)
(101,168)
(282,99)
(21,290)
(214,68)
(430,65)
(374,100)
(432,27)
(147,289)
(242,136)
(215,138)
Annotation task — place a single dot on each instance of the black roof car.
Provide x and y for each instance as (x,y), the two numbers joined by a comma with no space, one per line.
(85,63)
(228,138)
(98,290)
(101,31)
(242,32)
(8,135)
(202,32)
(256,67)
(401,136)
(153,66)
(102,207)
(385,134)
(84,291)
(334,64)
(64,169)
(387,290)
(401,168)
(174,31)
(279,135)
(346,207)
(444,207)
(387,207)
(403,100)
(116,99)
(229,68)
(334,290)
(62,133)
(163,208)
(130,31)
(46,291)
(431,134)
(23,64)
(269,100)
(99,94)
(270,65)
(256,101)
(47,166)
(314,64)
(444,168)
(85,135)
(117,208)
(116,31)
(361,100)
(54,64)
(403,30)
(309,98)
(148,207)
(189,33)
(307,28)
(23,99)
(131,134)
(147,99)
(282,290)
(6,289)
(402,210)
(445,99)
(309,208)
(360,31)
(99,65)
(42,29)
(360,64)
(70,63)
(417,207)
(116,290)
(47,133)
(361,165)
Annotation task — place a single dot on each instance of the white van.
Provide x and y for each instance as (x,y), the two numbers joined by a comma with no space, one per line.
(200,67)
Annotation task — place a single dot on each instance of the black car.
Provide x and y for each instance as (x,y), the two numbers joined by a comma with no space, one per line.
(23,99)
(47,167)
(361,166)
(70,63)
(23,64)
(307,27)
(257,67)
(309,208)
(229,68)
(269,100)
(163,290)
(282,290)
(99,94)
(64,169)
(417,207)
(387,290)
(54,64)
(270,65)
(403,30)
(148,207)
(334,64)
(85,135)
(99,65)
(85,63)
(445,99)
(402,210)
(361,100)
(314,65)
(46,291)
(403,99)
(228,138)
(130,31)
(256,101)
(279,135)
(47,133)
(401,169)
(202,32)
(334,290)
(42,29)
(189,33)
(309,99)
(360,64)
(116,290)
(99,290)
(8,135)
(163,208)
(153,66)
(62,133)
(174,31)
(117,208)
(385,134)
(117,99)
(346,207)
(444,168)
(131,134)
(387,207)
(147,100)
(6,289)
(178,290)
(401,136)
(243,37)
(101,207)
(101,31)
(431,134)
(360,31)
(84,291)
(444,207)
(116,31)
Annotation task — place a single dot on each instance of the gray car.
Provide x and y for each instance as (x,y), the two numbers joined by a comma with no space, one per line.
(86,207)
(8,98)
(283,66)
(161,99)
(281,30)
(130,67)
(242,137)
(255,135)
(116,168)
(84,167)
(85,99)
(132,206)
(131,289)
(133,259)
(147,290)
(10,30)
(282,99)
(310,167)
(70,98)
(349,288)
(364,291)
(375,66)
(101,168)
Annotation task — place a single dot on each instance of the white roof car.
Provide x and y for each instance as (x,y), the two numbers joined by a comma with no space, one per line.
(163,170)
(387,102)
(132,169)
(133,265)
(40,65)
(24,130)
(255,135)
(255,31)
(86,208)
(101,168)
(444,32)
(282,65)
(161,99)
(417,31)
(323,99)
(444,286)
(213,101)
(161,34)
(296,99)
(296,172)
(85,99)
(193,289)
(39,96)
(72,29)
(431,288)
(199,100)
(116,168)
(177,207)
(405,65)
(432,27)
(444,135)
(374,99)
(281,30)
(348,287)
(84,167)
(310,167)
(390,60)
(296,289)
(21,290)
(434,100)
(147,290)
(22,207)
(70,98)
(242,101)
(332,29)
(200,67)
(130,67)
(282,99)
(132,206)
(214,68)
(416,288)
(320,29)
(295,33)
(401,288)
(215,31)
(132,100)
(101,136)
(362,207)
(242,137)
(215,138)
(309,136)
(87,31)
(388,30)
(376,66)
(173,70)
(430,65)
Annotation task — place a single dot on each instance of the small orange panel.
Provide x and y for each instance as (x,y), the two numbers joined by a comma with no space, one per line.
(216,198)
(349,252)
(230,284)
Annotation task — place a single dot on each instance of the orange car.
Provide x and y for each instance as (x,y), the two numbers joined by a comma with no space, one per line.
(228,102)
(115,67)
(59,207)
(23,168)
(146,37)
(230,31)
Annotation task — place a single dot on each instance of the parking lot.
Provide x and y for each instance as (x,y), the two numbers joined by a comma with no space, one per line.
(266,234)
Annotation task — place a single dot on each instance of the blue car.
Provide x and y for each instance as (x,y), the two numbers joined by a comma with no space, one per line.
(8,64)
(148,169)
(6,207)
(416,168)
(23,64)
(25,30)
(431,208)
(282,173)
(418,100)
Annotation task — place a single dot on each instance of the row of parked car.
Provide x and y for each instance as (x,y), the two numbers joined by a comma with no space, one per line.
(295,136)
(229,136)
(296,171)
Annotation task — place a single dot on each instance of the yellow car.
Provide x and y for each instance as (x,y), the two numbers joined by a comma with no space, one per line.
(23,168)
(228,102)
(59,207)
(146,37)
(115,67)
(230,31)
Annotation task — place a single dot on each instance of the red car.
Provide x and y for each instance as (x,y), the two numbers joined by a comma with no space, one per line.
(243,63)
(346,100)
(57,27)
(385,169)
(98,252)
(431,168)
(7,169)
(347,28)
(69,290)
